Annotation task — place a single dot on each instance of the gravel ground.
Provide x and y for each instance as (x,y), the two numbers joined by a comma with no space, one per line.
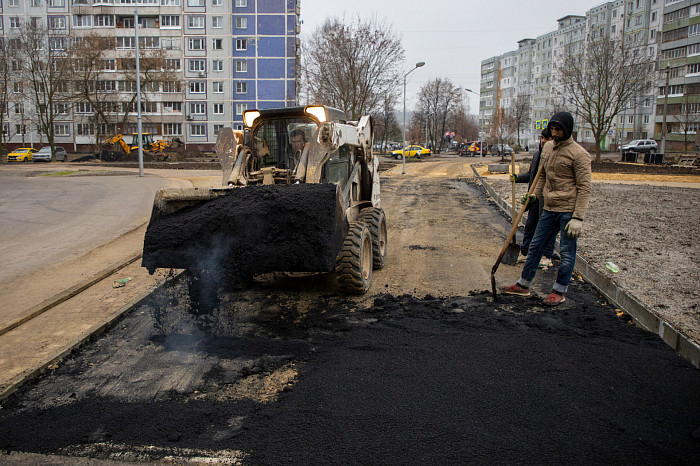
(647,231)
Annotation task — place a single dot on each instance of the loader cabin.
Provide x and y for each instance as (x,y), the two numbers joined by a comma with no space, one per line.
(279,135)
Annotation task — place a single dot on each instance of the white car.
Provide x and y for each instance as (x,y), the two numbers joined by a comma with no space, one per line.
(44,154)
(638,145)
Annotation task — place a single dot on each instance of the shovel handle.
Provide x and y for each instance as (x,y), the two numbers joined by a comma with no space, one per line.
(517,220)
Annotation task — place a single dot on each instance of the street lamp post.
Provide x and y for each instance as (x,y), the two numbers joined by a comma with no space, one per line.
(663,124)
(403,129)
(481,144)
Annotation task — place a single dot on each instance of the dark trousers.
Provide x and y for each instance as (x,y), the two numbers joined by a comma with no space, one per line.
(533,217)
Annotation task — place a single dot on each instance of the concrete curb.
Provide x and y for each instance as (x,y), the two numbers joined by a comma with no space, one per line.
(643,316)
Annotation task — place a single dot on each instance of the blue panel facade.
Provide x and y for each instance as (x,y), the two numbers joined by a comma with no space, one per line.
(291,70)
(271,90)
(271,47)
(246,31)
(270,68)
(272,6)
(271,25)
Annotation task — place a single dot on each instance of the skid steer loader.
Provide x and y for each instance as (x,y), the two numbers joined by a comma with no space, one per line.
(300,194)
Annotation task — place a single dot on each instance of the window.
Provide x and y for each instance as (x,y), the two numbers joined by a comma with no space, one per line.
(693,30)
(217,44)
(172,129)
(171,43)
(17,87)
(693,68)
(241,88)
(198,87)
(14,22)
(85,129)
(82,21)
(240,108)
(241,66)
(57,43)
(241,23)
(217,128)
(218,109)
(13,3)
(172,64)
(195,2)
(198,129)
(241,3)
(217,2)
(126,42)
(196,43)
(172,87)
(646,119)
(172,107)
(21,129)
(195,22)
(56,3)
(217,22)
(195,66)
(83,107)
(217,87)
(217,65)
(169,2)
(126,86)
(61,129)
(104,20)
(241,44)
(169,21)
(149,42)
(106,86)
(653,16)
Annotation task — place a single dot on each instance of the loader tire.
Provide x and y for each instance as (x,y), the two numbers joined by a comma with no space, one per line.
(354,262)
(376,221)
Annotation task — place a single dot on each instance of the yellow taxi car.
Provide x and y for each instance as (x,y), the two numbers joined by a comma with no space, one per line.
(411,151)
(23,154)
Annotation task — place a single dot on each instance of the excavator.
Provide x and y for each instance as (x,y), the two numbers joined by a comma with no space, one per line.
(117,141)
(300,193)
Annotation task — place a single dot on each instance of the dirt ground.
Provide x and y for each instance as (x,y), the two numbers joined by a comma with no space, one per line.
(648,232)
(420,370)
(426,368)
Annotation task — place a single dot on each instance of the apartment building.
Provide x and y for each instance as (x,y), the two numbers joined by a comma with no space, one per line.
(678,100)
(222,56)
(638,21)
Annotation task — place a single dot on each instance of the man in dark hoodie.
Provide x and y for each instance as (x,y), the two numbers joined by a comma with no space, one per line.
(565,187)
(534,208)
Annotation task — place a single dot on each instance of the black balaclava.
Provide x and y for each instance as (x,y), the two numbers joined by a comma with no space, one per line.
(565,120)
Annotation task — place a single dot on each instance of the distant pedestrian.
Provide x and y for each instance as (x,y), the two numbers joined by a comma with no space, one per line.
(527,149)
(534,208)
(565,186)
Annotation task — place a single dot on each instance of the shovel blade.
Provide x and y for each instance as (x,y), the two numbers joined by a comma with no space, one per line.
(510,257)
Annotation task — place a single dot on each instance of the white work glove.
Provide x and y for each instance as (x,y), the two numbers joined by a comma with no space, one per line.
(574,228)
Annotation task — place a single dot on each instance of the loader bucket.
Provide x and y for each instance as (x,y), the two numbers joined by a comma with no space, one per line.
(246,230)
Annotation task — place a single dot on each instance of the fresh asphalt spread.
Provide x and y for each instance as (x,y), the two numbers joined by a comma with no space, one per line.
(406,381)
(289,372)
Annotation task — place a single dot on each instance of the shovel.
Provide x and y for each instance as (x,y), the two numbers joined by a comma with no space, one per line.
(512,248)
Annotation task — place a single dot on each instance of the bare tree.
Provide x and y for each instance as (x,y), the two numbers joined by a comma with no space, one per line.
(520,113)
(685,118)
(45,72)
(600,79)
(502,128)
(6,84)
(438,100)
(385,122)
(353,65)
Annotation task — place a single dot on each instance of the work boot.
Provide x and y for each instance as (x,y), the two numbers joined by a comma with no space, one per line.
(521,259)
(516,290)
(554,299)
(545,262)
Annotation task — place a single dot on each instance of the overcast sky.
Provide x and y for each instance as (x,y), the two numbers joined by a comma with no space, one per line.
(451,36)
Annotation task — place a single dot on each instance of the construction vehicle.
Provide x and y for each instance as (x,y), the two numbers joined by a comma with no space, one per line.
(300,194)
(117,142)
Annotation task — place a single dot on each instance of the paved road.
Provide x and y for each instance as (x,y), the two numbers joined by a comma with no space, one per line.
(44,220)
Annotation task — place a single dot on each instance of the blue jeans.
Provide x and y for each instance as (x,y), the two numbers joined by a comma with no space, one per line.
(533,217)
(549,225)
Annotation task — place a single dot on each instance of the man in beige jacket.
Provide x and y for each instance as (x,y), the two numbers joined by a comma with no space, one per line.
(565,186)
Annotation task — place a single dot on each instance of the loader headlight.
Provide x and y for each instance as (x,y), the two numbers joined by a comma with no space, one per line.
(317,111)
(249,117)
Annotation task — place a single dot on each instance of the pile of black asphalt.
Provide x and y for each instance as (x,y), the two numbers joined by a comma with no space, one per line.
(407,380)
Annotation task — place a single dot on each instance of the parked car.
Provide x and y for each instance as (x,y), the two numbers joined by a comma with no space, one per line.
(473,149)
(641,145)
(411,151)
(44,154)
(501,149)
(23,154)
